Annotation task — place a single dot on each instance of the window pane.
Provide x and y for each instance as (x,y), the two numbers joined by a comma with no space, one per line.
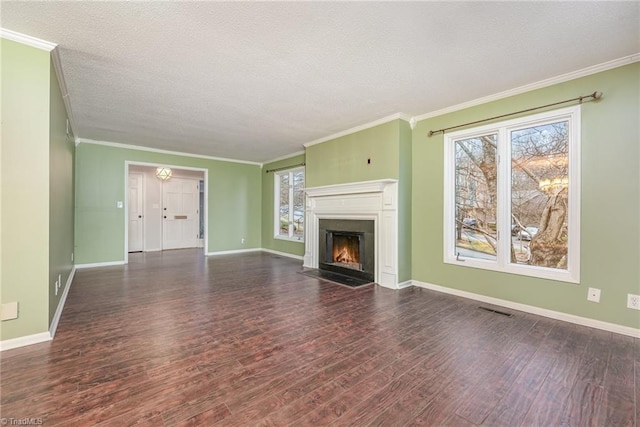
(284,204)
(298,204)
(539,195)
(476,197)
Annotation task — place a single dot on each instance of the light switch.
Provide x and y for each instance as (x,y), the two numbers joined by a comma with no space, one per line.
(119,204)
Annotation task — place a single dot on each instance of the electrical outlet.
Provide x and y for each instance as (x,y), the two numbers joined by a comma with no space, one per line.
(55,287)
(633,301)
(242,241)
(71,256)
(593,295)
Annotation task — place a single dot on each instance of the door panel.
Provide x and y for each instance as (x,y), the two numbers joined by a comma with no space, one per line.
(180,213)
(136,220)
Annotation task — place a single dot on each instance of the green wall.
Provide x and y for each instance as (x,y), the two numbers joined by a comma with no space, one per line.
(344,159)
(268,199)
(610,203)
(233,210)
(61,195)
(25,187)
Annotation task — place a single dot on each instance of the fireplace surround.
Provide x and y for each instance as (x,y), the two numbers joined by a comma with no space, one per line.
(373,201)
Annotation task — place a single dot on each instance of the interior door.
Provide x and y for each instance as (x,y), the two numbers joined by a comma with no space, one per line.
(136,215)
(180,213)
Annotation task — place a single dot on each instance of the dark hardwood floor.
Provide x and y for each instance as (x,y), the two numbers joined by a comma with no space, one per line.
(175,338)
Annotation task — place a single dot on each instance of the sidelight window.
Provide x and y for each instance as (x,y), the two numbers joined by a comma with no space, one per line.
(289,204)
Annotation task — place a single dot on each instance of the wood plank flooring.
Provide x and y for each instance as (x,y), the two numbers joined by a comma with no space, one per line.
(175,338)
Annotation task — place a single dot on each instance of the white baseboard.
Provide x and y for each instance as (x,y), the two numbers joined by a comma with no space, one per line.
(24,341)
(285,254)
(99,264)
(235,251)
(578,320)
(405,284)
(63,300)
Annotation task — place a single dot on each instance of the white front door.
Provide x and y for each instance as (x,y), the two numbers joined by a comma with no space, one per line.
(136,225)
(180,213)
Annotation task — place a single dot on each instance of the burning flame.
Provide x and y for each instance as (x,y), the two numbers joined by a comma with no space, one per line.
(345,255)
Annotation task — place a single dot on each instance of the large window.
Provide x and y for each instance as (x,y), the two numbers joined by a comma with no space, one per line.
(512,196)
(289,204)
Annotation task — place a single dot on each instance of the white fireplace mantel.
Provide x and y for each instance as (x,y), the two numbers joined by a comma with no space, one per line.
(369,200)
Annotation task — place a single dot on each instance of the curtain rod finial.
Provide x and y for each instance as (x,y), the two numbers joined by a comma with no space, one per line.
(597,95)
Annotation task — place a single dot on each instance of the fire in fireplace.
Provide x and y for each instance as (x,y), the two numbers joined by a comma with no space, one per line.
(347,247)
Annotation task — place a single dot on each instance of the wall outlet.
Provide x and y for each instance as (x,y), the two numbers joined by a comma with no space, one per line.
(71,256)
(593,295)
(242,241)
(55,288)
(633,301)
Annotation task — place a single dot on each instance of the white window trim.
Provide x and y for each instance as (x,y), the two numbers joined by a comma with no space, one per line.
(503,264)
(276,204)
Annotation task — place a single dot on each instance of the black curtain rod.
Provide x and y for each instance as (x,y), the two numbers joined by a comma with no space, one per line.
(284,167)
(595,95)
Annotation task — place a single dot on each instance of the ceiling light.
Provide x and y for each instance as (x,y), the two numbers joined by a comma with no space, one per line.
(163,173)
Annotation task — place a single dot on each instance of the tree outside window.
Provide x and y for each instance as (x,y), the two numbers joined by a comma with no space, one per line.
(289,204)
(511,196)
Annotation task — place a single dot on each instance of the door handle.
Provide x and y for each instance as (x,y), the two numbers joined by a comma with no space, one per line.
(139,216)
(165,217)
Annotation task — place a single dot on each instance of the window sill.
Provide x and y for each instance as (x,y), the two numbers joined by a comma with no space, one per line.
(289,239)
(566,276)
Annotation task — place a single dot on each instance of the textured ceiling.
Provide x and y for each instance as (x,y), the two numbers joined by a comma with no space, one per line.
(255,81)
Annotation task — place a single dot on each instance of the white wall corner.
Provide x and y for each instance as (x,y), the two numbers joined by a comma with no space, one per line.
(57,66)
(63,299)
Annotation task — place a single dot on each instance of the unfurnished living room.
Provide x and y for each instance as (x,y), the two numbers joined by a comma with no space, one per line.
(320,213)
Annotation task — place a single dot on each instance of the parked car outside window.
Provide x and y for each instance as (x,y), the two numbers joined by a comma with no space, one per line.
(527,233)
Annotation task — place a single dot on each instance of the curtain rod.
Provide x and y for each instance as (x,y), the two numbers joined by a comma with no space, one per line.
(284,167)
(595,95)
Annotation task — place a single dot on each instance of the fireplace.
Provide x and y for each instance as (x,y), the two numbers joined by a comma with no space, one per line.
(347,246)
(374,202)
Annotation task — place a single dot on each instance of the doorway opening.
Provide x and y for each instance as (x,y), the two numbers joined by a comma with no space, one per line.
(162,214)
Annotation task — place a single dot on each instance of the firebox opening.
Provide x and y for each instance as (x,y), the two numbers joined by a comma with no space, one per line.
(346,251)
(347,247)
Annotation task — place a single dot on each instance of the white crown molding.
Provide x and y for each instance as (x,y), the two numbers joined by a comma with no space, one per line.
(27,40)
(630,59)
(157,150)
(63,300)
(288,156)
(400,116)
(24,341)
(565,317)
